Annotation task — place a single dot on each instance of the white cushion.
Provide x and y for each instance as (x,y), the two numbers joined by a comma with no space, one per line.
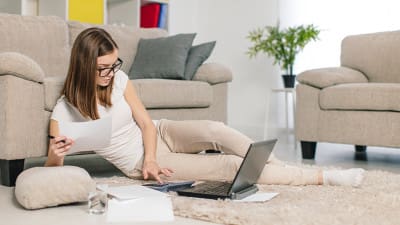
(41,187)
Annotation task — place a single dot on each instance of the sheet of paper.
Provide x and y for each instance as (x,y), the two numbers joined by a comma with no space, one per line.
(258,197)
(87,136)
(133,192)
(141,209)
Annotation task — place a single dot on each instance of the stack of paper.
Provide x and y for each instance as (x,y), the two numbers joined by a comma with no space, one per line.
(130,192)
(135,203)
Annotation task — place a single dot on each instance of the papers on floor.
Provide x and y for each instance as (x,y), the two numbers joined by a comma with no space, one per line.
(135,203)
(87,136)
(129,192)
(140,210)
(258,197)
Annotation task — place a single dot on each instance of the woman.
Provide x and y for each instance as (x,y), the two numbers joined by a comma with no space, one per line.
(95,87)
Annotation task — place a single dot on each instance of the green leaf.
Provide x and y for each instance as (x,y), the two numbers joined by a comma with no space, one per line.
(281,45)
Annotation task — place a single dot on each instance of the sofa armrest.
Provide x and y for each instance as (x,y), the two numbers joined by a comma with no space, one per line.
(22,66)
(213,73)
(325,77)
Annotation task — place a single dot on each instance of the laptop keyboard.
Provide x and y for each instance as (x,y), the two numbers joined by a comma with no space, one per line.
(219,188)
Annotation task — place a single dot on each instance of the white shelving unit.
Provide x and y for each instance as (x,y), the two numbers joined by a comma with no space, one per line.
(127,12)
(22,7)
(121,12)
(53,8)
(59,8)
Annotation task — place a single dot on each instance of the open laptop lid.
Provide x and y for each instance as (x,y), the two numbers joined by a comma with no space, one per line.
(252,165)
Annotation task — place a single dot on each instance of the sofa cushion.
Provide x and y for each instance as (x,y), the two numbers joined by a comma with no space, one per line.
(41,187)
(30,35)
(325,77)
(126,37)
(364,96)
(20,65)
(52,91)
(197,55)
(154,93)
(161,93)
(162,57)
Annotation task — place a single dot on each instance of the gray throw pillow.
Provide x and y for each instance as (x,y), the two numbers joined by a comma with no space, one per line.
(197,55)
(161,57)
(41,187)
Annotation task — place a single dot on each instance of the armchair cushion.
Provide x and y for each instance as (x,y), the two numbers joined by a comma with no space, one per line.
(41,187)
(325,77)
(17,64)
(162,57)
(197,55)
(364,96)
(213,73)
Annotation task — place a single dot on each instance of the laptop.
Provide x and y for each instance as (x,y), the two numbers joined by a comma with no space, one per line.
(245,180)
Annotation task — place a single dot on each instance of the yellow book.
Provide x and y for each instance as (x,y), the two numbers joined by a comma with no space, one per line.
(87,11)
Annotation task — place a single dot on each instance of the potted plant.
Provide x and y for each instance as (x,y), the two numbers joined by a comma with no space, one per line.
(283,45)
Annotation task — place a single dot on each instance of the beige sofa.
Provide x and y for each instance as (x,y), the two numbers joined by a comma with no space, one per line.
(32,78)
(357,103)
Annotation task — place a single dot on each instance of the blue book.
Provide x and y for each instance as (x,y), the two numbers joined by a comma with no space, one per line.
(162,19)
(170,186)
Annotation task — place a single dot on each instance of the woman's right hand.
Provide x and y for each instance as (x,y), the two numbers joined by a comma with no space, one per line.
(59,147)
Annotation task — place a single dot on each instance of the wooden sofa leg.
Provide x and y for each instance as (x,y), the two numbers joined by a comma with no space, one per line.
(308,149)
(10,169)
(360,148)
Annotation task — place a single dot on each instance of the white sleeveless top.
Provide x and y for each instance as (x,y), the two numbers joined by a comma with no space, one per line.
(126,145)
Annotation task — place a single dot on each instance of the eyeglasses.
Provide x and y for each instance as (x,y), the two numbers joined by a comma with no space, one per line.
(104,72)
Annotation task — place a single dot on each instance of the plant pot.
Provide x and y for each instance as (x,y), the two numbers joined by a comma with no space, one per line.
(289,80)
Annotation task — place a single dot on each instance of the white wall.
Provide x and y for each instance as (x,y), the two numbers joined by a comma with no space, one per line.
(183,16)
(228,22)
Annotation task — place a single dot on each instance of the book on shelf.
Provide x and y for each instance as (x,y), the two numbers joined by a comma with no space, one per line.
(149,15)
(162,19)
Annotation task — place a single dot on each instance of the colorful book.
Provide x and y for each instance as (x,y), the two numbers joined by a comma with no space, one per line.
(162,20)
(149,15)
(170,186)
(88,11)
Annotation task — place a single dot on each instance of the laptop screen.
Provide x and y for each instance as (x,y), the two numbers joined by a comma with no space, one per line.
(252,165)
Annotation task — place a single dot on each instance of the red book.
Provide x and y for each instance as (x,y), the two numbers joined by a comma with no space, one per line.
(149,14)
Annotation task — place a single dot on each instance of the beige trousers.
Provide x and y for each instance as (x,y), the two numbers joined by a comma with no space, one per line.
(179,142)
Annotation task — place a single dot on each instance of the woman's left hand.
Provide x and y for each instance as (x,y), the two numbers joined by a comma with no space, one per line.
(151,170)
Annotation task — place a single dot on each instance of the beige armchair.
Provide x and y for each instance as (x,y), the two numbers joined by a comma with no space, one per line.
(357,103)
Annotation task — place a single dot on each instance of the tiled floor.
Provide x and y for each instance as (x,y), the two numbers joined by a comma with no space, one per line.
(341,155)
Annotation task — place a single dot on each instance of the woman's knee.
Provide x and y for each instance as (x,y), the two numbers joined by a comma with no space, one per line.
(214,128)
(231,165)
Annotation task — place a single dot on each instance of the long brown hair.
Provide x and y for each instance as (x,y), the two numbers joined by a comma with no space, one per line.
(80,87)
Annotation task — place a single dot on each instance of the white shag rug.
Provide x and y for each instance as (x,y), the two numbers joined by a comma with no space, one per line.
(377,201)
